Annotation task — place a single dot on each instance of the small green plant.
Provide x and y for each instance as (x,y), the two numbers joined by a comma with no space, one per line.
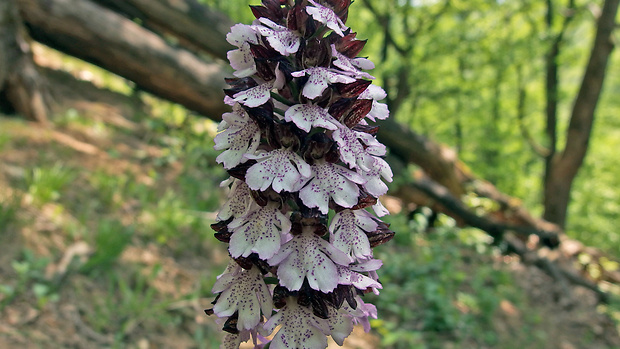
(167,217)
(45,184)
(5,140)
(110,188)
(111,239)
(70,116)
(431,296)
(30,276)
(129,301)
(9,206)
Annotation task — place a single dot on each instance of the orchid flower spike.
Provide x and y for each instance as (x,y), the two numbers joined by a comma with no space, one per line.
(298,146)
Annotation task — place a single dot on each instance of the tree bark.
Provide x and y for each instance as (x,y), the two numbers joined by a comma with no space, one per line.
(20,84)
(565,165)
(98,35)
(193,24)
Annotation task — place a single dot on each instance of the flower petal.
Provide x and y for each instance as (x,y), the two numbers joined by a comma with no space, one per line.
(348,232)
(309,256)
(300,329)
(242,61)
(379,110)
(276,168)
(239,200)
(240,136)
(326,16)
(241,34)
(331,181)
(283,40)
(320,77)
(260,231)
(356,148)
(254,96)
(306,116)
(347,275)
(352,65)
(246,294)
(373,183)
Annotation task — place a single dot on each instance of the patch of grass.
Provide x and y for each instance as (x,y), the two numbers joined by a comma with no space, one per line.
(111,239)
(45,184)
(438,288)
(30,277)
(110,188)
(128,301)
(9,206)
(167,217)
(5,140)
(70,116)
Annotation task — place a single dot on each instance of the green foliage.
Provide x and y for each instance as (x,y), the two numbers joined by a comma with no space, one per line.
(439,286)
(127,302)
(9,206)
(110,188)
(45,184)
(111,239)
(167,217)
(30,278)
(5,140)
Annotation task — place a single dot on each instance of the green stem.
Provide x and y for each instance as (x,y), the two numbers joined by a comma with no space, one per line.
(281,99)
(279,111)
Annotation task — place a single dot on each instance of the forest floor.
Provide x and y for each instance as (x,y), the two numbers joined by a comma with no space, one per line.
(105,243)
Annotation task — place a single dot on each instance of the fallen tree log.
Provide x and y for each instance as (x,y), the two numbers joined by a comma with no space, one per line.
(98,35)
(20,84)
(193,24)
(455,207)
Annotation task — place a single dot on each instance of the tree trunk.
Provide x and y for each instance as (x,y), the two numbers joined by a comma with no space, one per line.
(565,165)
(98,35)
(21,86)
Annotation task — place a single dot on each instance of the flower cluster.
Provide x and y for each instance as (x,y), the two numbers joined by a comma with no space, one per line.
(297,145)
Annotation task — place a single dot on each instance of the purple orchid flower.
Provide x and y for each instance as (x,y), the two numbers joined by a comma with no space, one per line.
(296,148)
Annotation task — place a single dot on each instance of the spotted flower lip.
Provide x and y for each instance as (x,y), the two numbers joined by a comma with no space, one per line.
(309,257)
(280,38)
(320,78)
(244,292)
(306,116)
(326,16)
(260,231)
(348,232)
(282,169)
(331,181)
(300,328)
(240,136)
(299,150)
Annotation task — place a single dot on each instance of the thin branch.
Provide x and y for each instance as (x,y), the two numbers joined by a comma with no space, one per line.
(384,21)
(525,132)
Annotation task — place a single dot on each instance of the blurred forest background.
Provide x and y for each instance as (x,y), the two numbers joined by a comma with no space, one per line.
(504,141)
